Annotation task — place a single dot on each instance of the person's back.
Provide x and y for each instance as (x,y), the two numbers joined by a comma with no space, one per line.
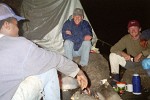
(17,63)
(13,53)
(21,58)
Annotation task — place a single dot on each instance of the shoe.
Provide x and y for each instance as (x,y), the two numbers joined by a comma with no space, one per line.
(114,79)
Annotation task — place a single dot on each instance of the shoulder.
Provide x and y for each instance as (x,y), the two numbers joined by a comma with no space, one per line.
(127,36)
(20,41)
(68,21)
(85,22)
(24,40)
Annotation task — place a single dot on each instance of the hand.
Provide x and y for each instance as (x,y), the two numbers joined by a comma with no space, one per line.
(82,79)
(138,57)
(87,37)
(68,32)
(144,43)
(126,56)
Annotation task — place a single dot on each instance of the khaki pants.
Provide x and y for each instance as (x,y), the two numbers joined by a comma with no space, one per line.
(116,60)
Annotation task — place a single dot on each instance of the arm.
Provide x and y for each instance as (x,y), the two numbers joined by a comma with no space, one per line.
(66,30)
(40,60)
(82,79)
(87,31)
(146,52)
(120,46)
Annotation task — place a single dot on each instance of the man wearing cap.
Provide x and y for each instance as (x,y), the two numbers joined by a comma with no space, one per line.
(127,52)
(144,41)
(21,58)
(77,35)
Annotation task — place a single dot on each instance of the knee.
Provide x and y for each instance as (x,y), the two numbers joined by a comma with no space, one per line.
(146,63)
(86,43)
(68,42)
(112,56)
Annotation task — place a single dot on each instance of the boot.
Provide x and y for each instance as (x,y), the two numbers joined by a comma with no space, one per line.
(114,79)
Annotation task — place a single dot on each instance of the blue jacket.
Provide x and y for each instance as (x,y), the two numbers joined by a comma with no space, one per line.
(78,32)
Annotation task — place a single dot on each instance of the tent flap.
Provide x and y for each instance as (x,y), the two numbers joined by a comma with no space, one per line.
(46,18)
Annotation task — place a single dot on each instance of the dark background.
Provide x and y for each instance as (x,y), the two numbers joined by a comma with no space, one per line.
(109,18)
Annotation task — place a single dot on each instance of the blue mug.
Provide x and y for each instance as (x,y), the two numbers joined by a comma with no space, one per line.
(136,81)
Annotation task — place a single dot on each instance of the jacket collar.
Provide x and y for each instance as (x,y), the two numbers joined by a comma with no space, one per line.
(1,35)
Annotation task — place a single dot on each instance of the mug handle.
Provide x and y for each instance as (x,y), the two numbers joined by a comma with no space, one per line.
(126,88)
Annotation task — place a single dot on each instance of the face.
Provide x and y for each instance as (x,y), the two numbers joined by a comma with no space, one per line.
(77,19)
(10,28)
(134,32)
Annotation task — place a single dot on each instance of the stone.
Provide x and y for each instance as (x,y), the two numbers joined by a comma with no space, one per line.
(97,69)
(145,79)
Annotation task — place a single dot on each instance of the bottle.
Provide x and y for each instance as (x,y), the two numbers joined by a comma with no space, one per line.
(136,81)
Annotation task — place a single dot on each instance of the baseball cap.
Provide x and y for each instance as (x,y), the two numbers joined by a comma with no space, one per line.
(145,35)
(133,23)
(78,12)
(6,12)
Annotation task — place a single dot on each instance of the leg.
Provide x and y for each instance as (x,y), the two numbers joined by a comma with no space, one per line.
(50,84)
(146,65)
(68,47)
(115,61)
(84,52)
(29,89)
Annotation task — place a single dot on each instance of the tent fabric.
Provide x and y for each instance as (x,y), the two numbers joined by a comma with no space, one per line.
(46,18)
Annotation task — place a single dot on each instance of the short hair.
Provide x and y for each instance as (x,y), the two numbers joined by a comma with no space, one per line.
(7,20)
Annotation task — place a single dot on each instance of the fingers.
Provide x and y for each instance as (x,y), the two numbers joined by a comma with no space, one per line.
(82,80)
(68,32)
(83,84)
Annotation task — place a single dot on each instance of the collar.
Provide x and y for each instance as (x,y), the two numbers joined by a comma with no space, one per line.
(1,35)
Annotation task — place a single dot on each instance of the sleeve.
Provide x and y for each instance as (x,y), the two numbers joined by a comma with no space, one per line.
(67,26)
(39,60)
(87,30)
(119,46)
(147,51)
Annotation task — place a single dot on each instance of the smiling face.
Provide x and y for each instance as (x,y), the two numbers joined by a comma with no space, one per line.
(77,19)
(134,32)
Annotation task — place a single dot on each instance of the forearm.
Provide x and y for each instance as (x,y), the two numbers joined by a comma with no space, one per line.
(68,67)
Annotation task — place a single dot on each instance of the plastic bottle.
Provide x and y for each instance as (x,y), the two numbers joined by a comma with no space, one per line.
(136,81)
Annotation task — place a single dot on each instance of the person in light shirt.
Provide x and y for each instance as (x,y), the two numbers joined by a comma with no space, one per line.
(21,58)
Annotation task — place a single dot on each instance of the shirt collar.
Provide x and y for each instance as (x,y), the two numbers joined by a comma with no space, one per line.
(1,35)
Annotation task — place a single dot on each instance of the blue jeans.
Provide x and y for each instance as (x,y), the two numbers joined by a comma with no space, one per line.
(45,85)
(83,51)
(50,85)
(146,65)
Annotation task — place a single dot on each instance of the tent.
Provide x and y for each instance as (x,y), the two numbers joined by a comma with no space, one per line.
(45,21)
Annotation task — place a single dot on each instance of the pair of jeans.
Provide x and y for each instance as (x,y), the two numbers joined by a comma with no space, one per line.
(146,65)
(45,85)
(83,51)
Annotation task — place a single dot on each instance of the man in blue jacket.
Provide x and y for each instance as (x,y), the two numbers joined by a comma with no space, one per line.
(77,35)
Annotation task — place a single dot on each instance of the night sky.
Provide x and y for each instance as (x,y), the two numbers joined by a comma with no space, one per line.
(109,18)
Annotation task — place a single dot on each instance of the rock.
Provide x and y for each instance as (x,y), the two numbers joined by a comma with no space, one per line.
(145,79)
(97,69)
(103,92)
(69,83)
